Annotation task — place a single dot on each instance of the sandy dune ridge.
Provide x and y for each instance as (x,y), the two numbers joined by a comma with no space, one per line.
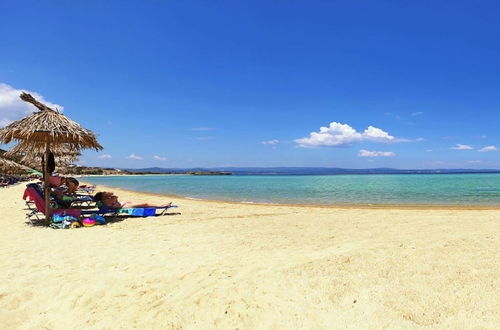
(226,266)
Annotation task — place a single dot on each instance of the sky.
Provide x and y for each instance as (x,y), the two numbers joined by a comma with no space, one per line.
(176,84)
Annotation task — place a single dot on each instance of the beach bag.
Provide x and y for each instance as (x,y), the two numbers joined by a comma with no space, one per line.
(99,219)
(62,220)
(56,218)
(67,212)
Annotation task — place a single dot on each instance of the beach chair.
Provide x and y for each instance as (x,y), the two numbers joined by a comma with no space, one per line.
(3,182)
(85,197)
(34,193)
(134,212)
(87,189)
(29,198)
(79,201)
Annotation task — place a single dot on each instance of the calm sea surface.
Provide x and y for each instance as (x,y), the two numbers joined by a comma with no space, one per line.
(417,189)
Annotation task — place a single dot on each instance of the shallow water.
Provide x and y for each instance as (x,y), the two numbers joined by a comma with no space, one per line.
(400,189)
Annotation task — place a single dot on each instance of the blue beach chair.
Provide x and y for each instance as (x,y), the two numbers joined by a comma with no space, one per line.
(134,212)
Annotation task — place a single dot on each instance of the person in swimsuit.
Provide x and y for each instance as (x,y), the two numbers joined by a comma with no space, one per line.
(110,200)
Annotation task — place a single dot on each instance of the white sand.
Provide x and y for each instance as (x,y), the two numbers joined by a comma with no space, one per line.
(228,266)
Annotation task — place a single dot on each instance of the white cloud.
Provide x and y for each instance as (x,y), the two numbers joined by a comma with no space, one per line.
(271,142)
(376,134)
(12,108)
(488,148)
(420,139)
(338,135)
(134,156)
(474,161)
(368,153)
(160,158)
(105,156)
(417,113)
(461,147)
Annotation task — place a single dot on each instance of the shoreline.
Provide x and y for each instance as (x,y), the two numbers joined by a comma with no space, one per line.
(332,206)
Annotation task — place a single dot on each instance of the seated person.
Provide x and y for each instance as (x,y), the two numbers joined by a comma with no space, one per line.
(72,185)
(56,181)
(110,200)
(61,181)
(66,194)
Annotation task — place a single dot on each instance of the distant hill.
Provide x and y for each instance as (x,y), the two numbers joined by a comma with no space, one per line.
(191,171)
(305,170)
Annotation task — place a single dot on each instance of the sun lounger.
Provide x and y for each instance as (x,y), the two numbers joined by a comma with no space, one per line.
(34,193)
(36,205)
(134,212)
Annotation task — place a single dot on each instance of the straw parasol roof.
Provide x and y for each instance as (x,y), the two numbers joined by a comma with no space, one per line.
(48,126)
(33,161)
(10,167)
(30,153)
(28,148)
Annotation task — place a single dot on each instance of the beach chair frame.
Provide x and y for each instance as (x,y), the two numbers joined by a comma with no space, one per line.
(37,213)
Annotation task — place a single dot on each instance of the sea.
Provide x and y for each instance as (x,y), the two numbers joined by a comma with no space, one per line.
(374,189)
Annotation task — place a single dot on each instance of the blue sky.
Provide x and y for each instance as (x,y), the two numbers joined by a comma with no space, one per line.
(354,84)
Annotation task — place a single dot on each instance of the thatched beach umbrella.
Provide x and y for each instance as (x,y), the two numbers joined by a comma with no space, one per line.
(34,161)
(37,149)
(8,166)
(48,128)
(30,154)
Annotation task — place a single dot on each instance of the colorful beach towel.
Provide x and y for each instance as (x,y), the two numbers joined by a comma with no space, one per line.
(137,212)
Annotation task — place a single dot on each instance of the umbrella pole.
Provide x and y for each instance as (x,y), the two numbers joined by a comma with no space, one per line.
(46,186)
(43,168)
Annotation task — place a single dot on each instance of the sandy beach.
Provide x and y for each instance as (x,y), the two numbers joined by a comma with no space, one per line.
(227,266)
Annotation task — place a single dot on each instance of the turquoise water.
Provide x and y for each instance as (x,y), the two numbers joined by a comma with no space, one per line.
(414,189)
